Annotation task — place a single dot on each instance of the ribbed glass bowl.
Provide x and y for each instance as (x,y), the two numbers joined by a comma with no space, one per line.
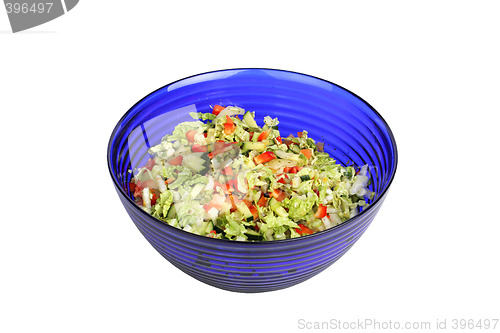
(352,130)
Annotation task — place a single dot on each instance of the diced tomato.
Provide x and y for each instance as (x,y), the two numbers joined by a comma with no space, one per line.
(307,153)
(264,135)
(233,183)
(226,187)
(282,181)
(254,212)
(262,201)
(251,135)
(248,203)
(288,142)
(154,198)
(278,194)
(303,230)
(229,126)
(170,180)
(228,171)
(279,140)
(299,168)
(234,200)
(218,200)
(217,109)
(299,134)
(230,199)
(264,157)
(205,134)
(138,192)
(199,148)
(148,183)
(137,189)
(321,212)
(176,161)
(150,164)
(221,147)
(132,187)
(293,169)
(190,135)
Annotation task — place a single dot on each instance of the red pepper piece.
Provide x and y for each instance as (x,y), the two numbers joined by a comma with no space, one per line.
(321,212)
(217,109)
(264,157)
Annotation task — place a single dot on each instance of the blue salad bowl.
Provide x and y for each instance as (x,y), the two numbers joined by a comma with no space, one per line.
(353,133)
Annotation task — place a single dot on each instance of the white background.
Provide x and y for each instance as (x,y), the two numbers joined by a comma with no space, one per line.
(71,260)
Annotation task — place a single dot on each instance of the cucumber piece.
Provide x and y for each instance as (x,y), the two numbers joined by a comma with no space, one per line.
(197,190)
(171,212)
(255,137)
(305,178)
(209,227)
(241,183)
(249,119)
(311,143)
(198,162)
(241,134)
(278,163)
(295,182)
(252,232)
(280,211)
(254,129)
(257,146)
(210,135)
(242,207)
(277,208)
(295,149)
(200,228)
(253,235)
(273,204)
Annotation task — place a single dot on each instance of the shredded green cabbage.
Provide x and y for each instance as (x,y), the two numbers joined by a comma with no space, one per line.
(220,176)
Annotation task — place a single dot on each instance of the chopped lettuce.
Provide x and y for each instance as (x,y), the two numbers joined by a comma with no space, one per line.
(224,177)
(163,205)
(202,116)
(299,207)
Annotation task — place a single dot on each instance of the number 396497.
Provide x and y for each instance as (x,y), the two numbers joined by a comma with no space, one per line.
(26,8)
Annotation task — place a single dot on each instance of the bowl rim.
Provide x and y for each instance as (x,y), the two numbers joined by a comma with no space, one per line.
(254,243)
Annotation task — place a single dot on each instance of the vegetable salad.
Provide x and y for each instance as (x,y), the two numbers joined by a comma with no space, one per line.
(224,176)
